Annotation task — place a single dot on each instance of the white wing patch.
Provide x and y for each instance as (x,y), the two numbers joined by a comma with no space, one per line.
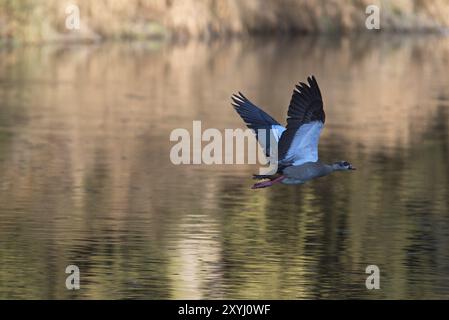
(275,133)
(304,147)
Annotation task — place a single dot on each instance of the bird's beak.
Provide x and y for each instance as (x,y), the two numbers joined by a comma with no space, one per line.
(352,168)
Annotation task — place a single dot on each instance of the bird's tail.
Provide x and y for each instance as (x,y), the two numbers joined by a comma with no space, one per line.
(265,176)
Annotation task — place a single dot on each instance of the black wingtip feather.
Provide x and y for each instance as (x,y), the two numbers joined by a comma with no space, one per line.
(253,116)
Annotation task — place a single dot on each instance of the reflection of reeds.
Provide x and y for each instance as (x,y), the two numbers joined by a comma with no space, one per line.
(86,175)
(44,20)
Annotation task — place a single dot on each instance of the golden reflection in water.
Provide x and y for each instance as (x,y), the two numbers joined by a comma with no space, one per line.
(86,177)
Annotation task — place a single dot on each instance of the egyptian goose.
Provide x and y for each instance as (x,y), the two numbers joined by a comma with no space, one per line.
(297,143)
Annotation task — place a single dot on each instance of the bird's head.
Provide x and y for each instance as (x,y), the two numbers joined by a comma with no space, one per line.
(342,166)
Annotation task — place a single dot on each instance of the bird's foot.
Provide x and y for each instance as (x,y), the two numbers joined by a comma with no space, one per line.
(262,184)
(269,183)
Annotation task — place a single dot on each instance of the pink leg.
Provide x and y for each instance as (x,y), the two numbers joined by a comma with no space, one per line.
(265,184)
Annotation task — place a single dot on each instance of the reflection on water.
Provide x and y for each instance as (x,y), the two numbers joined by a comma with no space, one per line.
(85,176)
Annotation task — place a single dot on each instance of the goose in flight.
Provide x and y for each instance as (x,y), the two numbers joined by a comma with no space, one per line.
(298,142)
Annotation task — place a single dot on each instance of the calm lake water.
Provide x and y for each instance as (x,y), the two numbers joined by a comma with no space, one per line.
(86,179)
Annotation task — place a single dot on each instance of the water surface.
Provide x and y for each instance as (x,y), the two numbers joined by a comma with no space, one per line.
(86,179)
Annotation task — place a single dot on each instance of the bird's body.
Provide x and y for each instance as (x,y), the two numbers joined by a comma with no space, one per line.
(305,172)
(298,142)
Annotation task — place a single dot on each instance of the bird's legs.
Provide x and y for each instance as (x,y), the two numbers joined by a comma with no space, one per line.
(265,184)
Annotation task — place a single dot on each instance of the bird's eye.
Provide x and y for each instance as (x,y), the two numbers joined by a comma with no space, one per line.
(346,164)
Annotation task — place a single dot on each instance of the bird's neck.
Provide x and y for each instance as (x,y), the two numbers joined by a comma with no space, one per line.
(331,168)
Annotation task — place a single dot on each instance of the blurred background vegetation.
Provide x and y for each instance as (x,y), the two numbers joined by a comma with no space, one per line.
(85,176)
(44,20)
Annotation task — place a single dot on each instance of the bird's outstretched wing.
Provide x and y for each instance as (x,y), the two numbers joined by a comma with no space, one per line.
(256,119)
(299,143)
